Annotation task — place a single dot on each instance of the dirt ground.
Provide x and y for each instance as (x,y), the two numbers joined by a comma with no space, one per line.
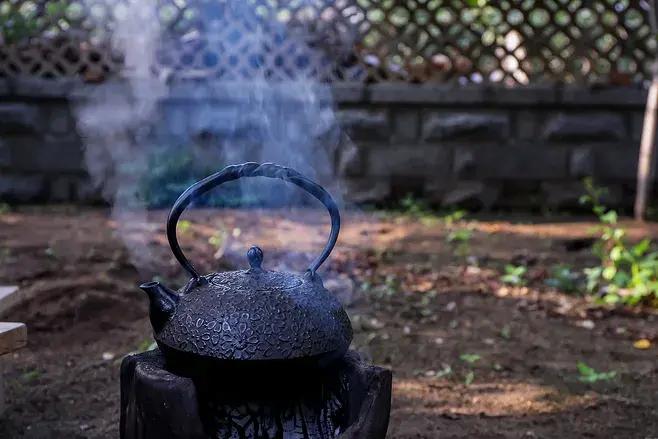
(417,306)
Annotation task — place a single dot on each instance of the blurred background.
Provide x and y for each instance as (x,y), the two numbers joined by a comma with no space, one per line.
(484,154)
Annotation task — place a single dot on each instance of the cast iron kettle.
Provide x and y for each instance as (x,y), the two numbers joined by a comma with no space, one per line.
(250,315)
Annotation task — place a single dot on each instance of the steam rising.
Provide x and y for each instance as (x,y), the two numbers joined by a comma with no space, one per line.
(231,118)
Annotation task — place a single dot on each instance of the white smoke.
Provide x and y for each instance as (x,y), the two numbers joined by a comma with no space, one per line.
(289,123)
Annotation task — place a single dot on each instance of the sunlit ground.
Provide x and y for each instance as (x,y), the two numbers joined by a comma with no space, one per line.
(472,355)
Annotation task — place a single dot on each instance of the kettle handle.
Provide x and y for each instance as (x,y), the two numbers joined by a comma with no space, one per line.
(251,169)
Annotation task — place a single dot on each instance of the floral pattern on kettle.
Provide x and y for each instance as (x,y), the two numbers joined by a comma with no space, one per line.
(263,315)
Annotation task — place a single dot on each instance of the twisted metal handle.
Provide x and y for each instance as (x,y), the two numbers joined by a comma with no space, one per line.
(251,169)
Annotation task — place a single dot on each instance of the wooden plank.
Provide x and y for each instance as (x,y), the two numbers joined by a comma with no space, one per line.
(3,401)
(9,296)
(13,336)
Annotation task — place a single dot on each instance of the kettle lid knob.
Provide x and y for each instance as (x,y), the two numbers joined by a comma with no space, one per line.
(255,257)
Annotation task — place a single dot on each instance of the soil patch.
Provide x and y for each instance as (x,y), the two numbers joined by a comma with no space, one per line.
(418,306)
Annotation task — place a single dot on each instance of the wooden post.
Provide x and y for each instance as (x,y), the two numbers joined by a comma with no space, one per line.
(156,404)
(645,160)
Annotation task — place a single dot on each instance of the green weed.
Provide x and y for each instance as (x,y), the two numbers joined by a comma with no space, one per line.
(627,274)
(514,275)
(589,375)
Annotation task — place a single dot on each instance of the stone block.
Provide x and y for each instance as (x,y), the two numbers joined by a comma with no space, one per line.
(85,191)
(348,93)
(612,96)
(471,193)
(563,127)
(349,161)
(562,194)
(365,125)
(35,87)
(637,125)
(464,164)
(18,118)
(582,162)
(5,154)
(532,94)
(519,195)
(406,123)
(22,188)
(366,190)
(517,162)
(175,117)
(408,160)
(407,93)
(404,186)
(440,94)
(32,154)
(61,189)
(616,162)
(260,122)
(466,126)
(566,194)
(527,124)
(60,120)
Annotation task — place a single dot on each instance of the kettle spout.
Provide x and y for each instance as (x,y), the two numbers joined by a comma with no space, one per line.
(163,302)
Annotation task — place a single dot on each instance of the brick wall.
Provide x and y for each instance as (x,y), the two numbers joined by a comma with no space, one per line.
(473,144)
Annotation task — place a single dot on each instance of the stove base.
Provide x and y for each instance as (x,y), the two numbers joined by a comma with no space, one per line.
(156,404)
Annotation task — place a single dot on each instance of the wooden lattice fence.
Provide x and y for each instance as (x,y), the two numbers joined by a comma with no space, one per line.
(514,42)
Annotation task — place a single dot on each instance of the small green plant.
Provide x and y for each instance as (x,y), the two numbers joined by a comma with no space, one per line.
(413,207)
(5,253)
(391,284)
(459,236)
(460,239)
(563,278)
(447,370)
(388,288)
(4,208)
(470,359)
(31,373)
(184,226)
(418,209)
(219,240)
(454,216)
(147,345)
(627,273)
(589,375)
(514,275)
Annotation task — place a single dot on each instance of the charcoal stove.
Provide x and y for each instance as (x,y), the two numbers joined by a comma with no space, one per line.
(253,353)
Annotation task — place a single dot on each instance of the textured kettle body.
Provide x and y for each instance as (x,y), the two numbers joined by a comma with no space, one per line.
(253,314)
(257,314)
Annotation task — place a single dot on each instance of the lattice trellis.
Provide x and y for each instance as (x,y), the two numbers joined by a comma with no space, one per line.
(515,42)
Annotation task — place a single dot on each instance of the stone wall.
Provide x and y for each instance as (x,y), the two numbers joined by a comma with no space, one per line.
(488,146)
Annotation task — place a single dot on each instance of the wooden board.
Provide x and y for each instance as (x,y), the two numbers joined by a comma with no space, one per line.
(9,296)
(3,401)
(12,336)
